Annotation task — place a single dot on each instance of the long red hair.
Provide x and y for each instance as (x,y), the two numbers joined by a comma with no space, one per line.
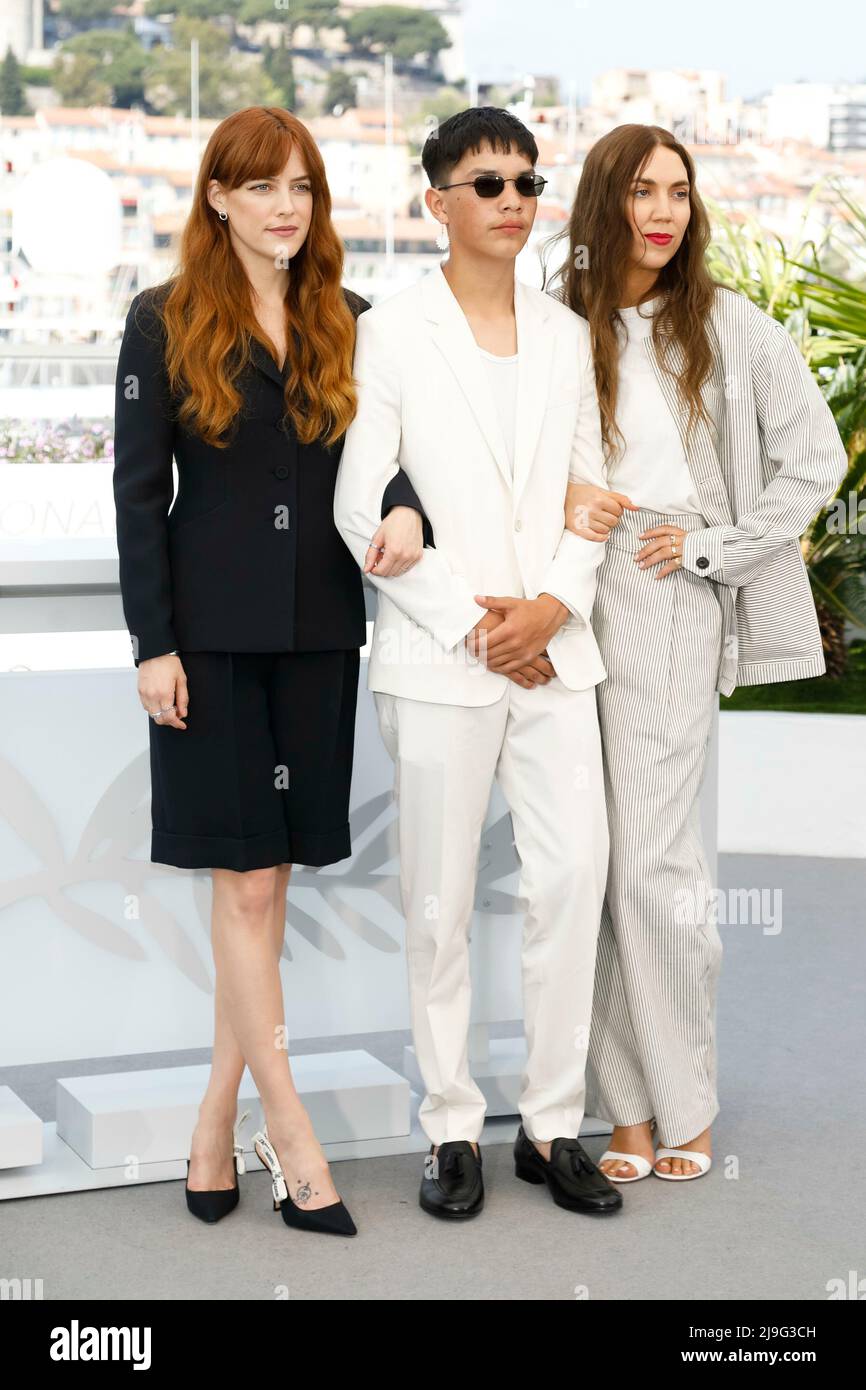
(208,310)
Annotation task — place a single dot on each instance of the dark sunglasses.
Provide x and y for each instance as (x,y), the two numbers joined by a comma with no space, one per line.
(491,185)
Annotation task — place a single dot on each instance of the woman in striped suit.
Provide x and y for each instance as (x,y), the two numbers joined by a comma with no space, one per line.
(720,449)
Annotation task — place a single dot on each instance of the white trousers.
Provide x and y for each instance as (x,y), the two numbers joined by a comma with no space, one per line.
(544,748)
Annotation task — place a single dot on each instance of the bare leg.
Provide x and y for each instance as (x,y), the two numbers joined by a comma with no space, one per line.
(252,997)
(211,1166)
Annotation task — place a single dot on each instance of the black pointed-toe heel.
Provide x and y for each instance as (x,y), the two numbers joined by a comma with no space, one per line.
(213,1206)
(331,1220)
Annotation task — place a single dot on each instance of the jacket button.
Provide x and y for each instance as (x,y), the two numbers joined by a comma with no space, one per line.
(702,562)
(282,471)
(518,525)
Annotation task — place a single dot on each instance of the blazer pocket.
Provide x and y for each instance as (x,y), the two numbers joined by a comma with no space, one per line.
(186,520)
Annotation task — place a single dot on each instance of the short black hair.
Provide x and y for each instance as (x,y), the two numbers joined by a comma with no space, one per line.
(469,130)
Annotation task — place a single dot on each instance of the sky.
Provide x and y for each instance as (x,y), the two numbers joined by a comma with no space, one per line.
(756,43)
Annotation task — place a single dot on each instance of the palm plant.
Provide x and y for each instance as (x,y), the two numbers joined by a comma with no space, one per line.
(826,314)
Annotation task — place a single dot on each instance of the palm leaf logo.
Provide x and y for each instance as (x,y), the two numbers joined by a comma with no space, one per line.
(119,827)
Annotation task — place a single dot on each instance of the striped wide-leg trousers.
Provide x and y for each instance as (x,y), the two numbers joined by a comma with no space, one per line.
(652,1045)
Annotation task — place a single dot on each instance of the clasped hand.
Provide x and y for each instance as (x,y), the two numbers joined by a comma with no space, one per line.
(512,637)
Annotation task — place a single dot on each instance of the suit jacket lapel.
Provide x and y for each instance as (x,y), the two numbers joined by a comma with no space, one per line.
(709,480)
(455,340)
(535,342)
(700,451)
(262,359)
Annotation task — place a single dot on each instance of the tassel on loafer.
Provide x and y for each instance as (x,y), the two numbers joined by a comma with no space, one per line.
(331,1220)
(573,1179)
(213,1206)
(452,1185)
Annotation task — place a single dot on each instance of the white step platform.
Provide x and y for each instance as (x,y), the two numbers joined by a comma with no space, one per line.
(20,1132)
(64,1171)
(144,1117)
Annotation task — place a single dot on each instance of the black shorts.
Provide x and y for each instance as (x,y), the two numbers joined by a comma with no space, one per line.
(262,772)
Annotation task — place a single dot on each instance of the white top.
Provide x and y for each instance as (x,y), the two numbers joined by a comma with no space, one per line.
(502,372)
(653,470)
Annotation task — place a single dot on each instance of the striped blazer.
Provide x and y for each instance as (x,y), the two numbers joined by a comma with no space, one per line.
(773,460)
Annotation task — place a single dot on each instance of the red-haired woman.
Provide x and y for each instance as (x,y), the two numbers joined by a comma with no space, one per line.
(245,607)
(720,450)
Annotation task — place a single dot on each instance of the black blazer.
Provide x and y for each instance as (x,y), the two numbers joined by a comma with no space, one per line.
(224,570)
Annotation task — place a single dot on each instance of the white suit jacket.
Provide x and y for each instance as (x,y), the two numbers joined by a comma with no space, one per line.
(425,404)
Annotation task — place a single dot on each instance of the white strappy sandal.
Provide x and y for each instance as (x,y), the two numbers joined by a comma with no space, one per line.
(237,1146)
(267,1156)
(643,1165)
(704,1162)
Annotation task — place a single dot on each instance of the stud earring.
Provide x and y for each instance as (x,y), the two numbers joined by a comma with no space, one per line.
(223,217)
(442,239)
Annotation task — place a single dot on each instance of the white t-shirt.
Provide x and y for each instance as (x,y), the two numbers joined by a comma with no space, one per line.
(653,470)
(502,372)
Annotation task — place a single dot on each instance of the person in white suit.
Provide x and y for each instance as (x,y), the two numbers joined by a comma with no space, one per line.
(483,658)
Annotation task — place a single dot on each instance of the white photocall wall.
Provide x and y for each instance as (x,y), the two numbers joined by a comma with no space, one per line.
(105,953)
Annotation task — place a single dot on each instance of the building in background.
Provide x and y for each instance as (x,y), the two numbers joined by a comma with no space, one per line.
(831,116)
(21,29)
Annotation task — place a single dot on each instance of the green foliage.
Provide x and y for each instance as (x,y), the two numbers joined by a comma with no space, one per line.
(110,62)
(318,14)
(195,9)
(341,89)
(444,103)
(81,80)
(398,30)
(13,101)
(77,10)
(821,696)
(35,77)
(279,67)
(227,83)
(826,314)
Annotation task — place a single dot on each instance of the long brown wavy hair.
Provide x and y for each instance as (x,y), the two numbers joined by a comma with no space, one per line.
(594,283)
(207,307)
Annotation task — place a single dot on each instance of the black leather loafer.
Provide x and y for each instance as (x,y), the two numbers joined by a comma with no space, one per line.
(574,1181)
(453,1187)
